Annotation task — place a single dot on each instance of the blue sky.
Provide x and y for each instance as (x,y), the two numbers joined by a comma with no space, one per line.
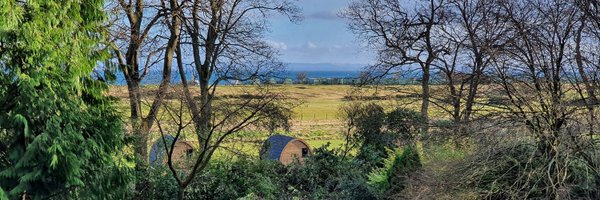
(321,37)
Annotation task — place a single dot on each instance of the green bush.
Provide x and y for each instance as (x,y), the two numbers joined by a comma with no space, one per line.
(369,121)
(323,175)
(405,124)
(375,130)
(326,175)
(2,195)
(391,178)
(237,179)
(160,184)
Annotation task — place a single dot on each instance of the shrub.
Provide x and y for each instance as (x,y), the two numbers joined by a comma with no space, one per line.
(376,131)
(326,175)
(521,170)
(237,179)
(405,124)
(160,183)
(369,120)
(2,195)
(391,178)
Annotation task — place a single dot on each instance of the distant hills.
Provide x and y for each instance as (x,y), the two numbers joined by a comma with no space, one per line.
(295,67)
(313,70)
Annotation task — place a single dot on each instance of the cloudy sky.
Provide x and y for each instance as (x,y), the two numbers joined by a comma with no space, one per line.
(321,37)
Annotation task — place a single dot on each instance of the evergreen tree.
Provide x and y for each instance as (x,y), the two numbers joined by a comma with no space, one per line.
(59,136)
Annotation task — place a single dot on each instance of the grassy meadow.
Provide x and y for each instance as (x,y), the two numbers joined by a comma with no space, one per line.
(316,116)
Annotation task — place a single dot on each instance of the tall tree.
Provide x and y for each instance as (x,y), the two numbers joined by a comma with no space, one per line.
(59,136)
(536,73)
(224,41)
(138,45)
(470,36)
(402,33)
(587,58)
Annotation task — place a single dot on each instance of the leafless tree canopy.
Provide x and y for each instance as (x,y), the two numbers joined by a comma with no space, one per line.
(221,42)
(143,35)
(531,63)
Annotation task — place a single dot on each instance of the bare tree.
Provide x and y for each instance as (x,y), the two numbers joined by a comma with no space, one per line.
(138,45)
(402,32)
(224,44)
(471,35)
(540,57)
(533,65)
(587,58)
(534,71)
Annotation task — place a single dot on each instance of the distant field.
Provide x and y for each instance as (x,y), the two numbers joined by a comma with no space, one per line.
(316,119)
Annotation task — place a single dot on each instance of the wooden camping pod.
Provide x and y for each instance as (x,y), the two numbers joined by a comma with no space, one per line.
(181,152)
(285,149)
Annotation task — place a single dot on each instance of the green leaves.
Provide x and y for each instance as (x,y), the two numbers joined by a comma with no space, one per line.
(62,136)
(54,161)
(2,195)
(10,17)
(392,175)
(20,119)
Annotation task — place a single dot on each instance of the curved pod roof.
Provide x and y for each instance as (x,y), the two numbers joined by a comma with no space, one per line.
(276,145)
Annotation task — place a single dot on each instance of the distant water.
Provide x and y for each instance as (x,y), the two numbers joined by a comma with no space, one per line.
(156,76)
(321,74)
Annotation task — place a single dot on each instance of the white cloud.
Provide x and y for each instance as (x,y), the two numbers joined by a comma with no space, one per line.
(311,45)
(277,45)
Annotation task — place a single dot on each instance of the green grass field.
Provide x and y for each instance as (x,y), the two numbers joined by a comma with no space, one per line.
(316,118)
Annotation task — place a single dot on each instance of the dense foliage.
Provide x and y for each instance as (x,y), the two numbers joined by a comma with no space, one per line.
(325,175)
(395,171)
(59,136)
(374,131)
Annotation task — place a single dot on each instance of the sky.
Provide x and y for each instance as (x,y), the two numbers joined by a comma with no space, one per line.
(321,37)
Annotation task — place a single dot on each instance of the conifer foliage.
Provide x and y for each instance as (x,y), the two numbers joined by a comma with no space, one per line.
(59,136)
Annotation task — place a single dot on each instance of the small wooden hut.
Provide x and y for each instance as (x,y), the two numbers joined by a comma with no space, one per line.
(181,151)
(284,149)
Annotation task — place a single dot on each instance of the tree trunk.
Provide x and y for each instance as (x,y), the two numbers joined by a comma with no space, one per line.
(455,100)
(139,132)
(181,193)
(425,98)
(141,158)
(137,123)
(138,129)
(592,98)
(473,87)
